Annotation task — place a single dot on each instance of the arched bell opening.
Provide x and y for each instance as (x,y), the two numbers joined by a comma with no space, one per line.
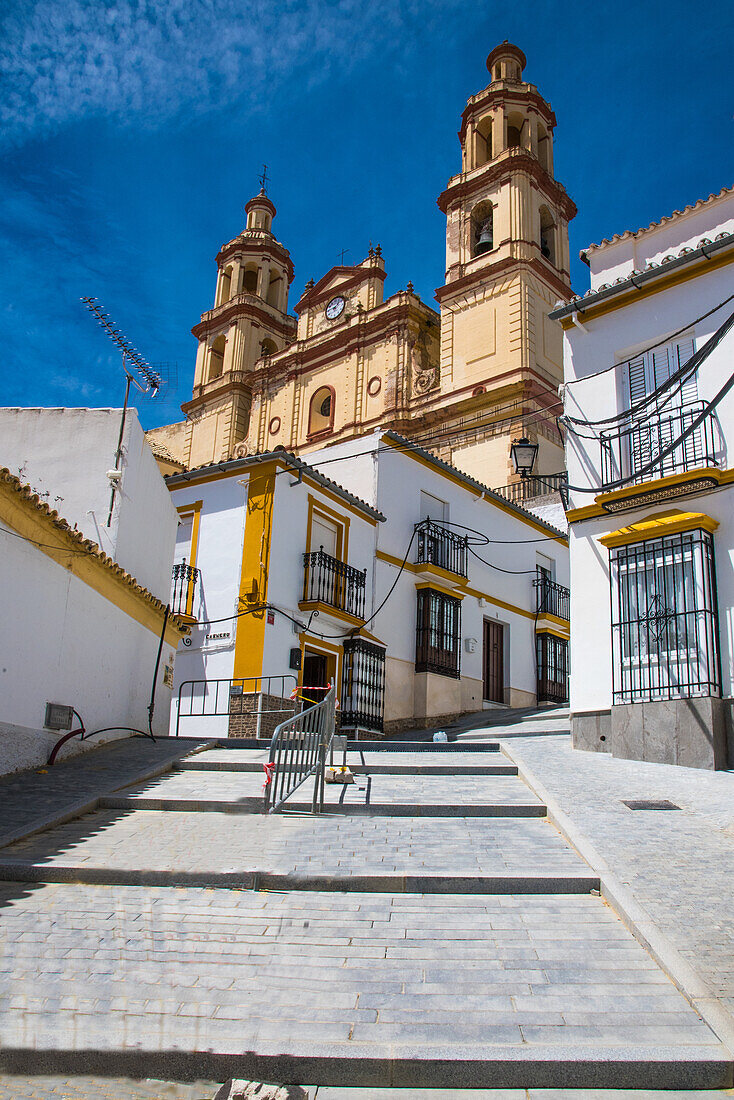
(547,235)
(483,146)
(482,228)
(249,279)
(274,288)
(216,358)
(268,347)
(225,286)
(543,147)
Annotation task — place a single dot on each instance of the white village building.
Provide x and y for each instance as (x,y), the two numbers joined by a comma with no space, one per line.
(362,568)
(649,408)
(84,597)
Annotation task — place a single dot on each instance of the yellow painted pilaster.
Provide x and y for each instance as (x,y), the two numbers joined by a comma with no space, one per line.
(250,643)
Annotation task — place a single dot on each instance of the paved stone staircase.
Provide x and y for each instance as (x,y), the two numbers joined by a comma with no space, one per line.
(430,929)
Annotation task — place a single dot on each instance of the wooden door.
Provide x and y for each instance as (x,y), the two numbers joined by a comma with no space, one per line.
(494,661)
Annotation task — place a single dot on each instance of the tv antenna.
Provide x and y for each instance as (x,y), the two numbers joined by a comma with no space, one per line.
(148,380)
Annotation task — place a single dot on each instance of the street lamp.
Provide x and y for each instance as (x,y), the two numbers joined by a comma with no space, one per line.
(523,454)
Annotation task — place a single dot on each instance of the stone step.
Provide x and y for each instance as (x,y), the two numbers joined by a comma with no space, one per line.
(341,989)
(372,809)
(508,882)
(204,764)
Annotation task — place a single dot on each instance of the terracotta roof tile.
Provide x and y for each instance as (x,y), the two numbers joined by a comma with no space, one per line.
(628,234)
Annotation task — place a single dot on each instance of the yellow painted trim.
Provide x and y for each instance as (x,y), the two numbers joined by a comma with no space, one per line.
(320,646)
(556,633)
(315,506)
(466,589)
(441,574)
(629,297)
(250,641)
(457,480)
(194,510)
(668,482)
(100,574)
(664,523)
(327,609)
(592,511)
(556,620)
(439,588)
(250,471)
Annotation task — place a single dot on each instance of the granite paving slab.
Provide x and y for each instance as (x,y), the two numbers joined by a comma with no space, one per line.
(161,841)
(46,1087)
(679,865)
(371,976)
(400,793)
(32,799)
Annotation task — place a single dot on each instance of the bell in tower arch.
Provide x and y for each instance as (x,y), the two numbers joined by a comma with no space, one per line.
(485,236)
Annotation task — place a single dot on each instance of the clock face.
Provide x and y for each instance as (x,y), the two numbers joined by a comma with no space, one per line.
(335,308)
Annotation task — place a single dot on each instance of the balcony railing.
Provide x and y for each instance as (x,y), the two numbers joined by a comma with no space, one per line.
(184,589)
(438,546)
(627,454)
(551,598)
(333,582)
(535,486)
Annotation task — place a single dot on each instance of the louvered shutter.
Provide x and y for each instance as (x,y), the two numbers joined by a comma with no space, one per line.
(684,349)
(639,437)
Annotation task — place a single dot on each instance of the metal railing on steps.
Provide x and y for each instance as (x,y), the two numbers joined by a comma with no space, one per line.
(298,750)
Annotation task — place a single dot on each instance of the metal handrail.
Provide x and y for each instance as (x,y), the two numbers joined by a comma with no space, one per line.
(210,699)
(298,750)
(553,598)
(330,581)
(437,545)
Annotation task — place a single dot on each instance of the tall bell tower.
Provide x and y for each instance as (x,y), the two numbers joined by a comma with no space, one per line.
(248,323)
(507,264)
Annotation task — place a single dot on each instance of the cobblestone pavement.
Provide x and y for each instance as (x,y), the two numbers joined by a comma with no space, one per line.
(679,864)
(286,844)
(29,799)
(448,988)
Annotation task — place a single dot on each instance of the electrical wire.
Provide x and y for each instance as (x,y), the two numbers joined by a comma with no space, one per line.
(651,347)
(676,379)
(668,449)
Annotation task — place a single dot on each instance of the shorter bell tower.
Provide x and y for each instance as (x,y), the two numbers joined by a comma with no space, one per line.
(507,264)
(248,323)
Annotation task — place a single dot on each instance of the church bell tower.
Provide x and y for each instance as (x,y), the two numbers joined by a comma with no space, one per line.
(507,264)
(247,324)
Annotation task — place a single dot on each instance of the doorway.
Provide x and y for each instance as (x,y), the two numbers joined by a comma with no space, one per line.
(494,661)
(316,676)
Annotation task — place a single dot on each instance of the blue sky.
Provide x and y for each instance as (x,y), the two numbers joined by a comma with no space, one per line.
(133,132)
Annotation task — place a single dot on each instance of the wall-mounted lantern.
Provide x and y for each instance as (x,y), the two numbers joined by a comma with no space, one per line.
(523,454)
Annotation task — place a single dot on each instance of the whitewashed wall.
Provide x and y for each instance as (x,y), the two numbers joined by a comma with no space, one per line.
(63,642)
(66,454)
(599,344)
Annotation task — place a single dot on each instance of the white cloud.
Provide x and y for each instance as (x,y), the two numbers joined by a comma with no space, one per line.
(151,60)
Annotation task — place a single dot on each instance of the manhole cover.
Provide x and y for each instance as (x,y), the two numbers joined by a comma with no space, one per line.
(649,804)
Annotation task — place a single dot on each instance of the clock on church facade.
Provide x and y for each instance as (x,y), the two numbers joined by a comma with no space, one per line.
(463,379)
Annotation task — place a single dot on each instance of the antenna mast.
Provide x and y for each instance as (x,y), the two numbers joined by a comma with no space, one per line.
(150,379)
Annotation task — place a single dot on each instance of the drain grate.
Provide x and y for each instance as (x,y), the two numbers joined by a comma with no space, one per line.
(649,804)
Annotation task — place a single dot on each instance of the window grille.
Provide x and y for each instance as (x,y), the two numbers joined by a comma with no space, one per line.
(438,633)
(664,619)
(552,663)
(363,685)
(439,546)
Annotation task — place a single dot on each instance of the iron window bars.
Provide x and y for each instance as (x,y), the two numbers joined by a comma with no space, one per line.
(551,598)
(625,453)
(438,633)
(438,546)
(184,580)
(552,665)
(330,581)
(363,685)
(664,619)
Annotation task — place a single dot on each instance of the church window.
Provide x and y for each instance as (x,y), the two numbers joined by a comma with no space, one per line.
(482,228)
(321,412)
(547,235)
(249,279)
(216,358)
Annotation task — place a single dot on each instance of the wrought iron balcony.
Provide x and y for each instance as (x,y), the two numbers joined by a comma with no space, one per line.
(627,454)
(333,582)
(439,546)
(551,598)
(184,589)
(535,486)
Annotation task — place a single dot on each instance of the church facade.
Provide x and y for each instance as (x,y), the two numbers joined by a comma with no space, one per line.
(464,379)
